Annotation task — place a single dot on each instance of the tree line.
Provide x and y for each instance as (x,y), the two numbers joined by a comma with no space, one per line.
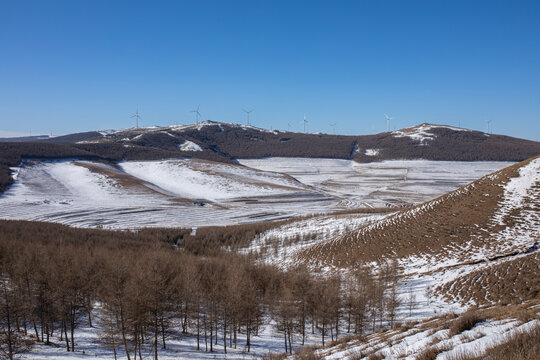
(139,294)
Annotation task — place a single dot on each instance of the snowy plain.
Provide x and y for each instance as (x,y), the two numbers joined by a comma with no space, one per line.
(378,183)
(186,193)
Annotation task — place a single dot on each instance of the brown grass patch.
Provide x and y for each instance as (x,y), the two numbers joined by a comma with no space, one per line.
(510,282)
(307,353)
(430,353)
(465,322)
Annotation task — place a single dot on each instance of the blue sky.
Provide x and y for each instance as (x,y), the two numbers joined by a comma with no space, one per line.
(70,66)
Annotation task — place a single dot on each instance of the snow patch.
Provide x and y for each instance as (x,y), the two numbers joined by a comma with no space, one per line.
(189,146)
(200,180)
(421,133)
(372,152)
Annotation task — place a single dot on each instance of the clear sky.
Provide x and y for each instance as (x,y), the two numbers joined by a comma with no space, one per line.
(70,66)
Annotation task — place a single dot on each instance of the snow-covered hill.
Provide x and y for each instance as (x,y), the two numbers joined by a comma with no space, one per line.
(191,192)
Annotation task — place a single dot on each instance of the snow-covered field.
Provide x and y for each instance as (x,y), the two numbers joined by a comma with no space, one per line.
(166,193)
(393,181)
(196,193)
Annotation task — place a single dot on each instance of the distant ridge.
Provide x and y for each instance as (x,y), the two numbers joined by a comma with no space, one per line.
(226,142)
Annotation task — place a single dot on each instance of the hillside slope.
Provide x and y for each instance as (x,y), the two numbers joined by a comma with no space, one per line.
(493,216)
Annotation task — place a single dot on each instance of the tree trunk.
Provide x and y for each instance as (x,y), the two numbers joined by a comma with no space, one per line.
(156,337)
(163,332)
(64,325)
(225,334)
(123,328)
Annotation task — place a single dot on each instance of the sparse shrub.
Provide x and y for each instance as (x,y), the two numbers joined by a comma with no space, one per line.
(375,357)
(342,340)
(431,353)
(465,322)
(307,353)
(354,355)
(274,356)
(525,315)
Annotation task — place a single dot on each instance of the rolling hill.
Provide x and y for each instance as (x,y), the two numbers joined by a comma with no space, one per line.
(226,142)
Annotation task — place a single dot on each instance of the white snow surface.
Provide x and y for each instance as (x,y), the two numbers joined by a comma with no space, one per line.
(209,181)
(194,193)
(519,190)
(163,193)
(179,346)
(378,183)
(372,152)
(189,146)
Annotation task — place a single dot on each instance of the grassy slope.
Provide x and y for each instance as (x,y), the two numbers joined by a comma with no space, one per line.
(447,224)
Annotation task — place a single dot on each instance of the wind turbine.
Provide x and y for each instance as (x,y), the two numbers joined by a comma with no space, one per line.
(247,114)
(487,125)
(197,114)
(305,121)
(333,127)
(137,116)
(288,127)
(388,118)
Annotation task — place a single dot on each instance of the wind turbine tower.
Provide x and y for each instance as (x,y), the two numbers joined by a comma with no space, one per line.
(305,122)
(247,114)
(137,117)
(487,126)
(388,118)
(197,114)
(333,128)
(288,127)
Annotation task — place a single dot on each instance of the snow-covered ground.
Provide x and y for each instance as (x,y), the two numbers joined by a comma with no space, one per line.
(407,345)
(179,346)
(193,192)
(377,183)
(167,194)
(210,181)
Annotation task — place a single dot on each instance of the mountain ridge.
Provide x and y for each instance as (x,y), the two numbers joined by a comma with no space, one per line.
(225,142)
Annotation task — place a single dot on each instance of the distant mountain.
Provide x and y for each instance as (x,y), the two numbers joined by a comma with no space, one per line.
(227,142)
(24,138)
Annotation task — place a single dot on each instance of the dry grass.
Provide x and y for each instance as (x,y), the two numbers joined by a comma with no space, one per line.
(520,346)
(510,282)
(345,340)
(436,228)
(466,322)
(274,356)
(307,353)
(430,353)
(355,355)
